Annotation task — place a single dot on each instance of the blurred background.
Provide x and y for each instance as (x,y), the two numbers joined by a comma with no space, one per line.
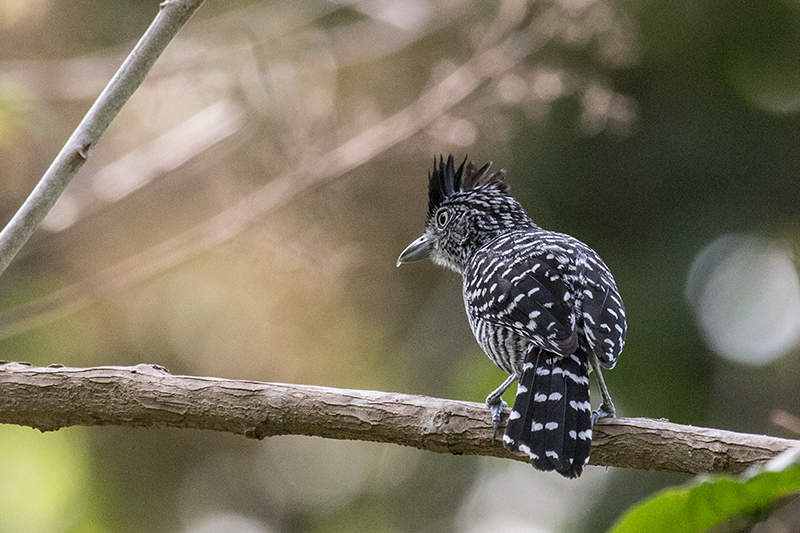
(242,216)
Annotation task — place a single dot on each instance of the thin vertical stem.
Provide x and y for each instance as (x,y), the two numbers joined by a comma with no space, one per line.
(171,17)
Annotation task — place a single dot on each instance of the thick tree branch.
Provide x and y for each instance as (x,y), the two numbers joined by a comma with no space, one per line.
(149,396)
(171,17)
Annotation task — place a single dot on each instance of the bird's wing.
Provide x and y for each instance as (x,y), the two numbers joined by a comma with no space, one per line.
(603,313)
(525,293)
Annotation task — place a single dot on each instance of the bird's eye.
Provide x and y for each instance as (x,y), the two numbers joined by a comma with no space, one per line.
(442,217)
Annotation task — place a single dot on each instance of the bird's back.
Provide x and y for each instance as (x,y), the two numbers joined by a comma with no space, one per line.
(546,289)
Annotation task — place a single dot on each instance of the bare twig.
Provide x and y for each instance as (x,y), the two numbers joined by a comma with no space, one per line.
(149,396)
(786,420)
(171,17)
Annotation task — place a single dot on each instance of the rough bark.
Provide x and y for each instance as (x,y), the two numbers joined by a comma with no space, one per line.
(149,396)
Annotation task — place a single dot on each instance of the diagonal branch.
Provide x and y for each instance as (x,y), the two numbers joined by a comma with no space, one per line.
(171,17)
(149,396)
(409,121)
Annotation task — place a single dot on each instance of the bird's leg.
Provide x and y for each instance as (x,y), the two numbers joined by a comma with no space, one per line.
(606,408)
(496,403)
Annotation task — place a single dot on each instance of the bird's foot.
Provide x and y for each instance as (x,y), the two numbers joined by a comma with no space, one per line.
(497,415)
(604,411)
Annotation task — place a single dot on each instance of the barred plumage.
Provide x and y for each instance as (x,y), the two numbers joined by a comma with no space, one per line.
(542,305)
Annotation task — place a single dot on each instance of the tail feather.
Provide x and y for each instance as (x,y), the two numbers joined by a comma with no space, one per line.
(551,417)
(580,407)
(554,393)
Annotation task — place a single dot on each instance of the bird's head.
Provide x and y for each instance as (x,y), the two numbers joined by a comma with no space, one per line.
(467,208)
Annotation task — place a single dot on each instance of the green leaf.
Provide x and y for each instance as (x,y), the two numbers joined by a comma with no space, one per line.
(705,502)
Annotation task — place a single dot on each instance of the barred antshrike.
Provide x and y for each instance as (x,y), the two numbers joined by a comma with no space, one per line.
(542,305)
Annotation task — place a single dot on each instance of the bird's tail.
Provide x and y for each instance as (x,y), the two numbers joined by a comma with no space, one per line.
(551,418)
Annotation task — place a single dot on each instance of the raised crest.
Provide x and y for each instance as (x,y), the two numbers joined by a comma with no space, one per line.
(446,180)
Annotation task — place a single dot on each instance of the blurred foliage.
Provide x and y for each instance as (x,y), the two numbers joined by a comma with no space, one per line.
(646,129)
(710,501)
(44,481)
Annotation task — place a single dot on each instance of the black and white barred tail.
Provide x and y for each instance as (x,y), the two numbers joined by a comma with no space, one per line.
(551,419)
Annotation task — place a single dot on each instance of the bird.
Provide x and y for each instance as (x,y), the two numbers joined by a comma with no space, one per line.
(542,305)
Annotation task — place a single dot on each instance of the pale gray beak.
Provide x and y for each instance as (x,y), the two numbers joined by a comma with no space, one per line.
(416,251)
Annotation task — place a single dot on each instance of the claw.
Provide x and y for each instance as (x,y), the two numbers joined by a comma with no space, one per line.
(606,408)
(497,415)
(496,403)
(604,411)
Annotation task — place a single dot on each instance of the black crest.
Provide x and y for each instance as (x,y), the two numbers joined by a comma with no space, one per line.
(446,180)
